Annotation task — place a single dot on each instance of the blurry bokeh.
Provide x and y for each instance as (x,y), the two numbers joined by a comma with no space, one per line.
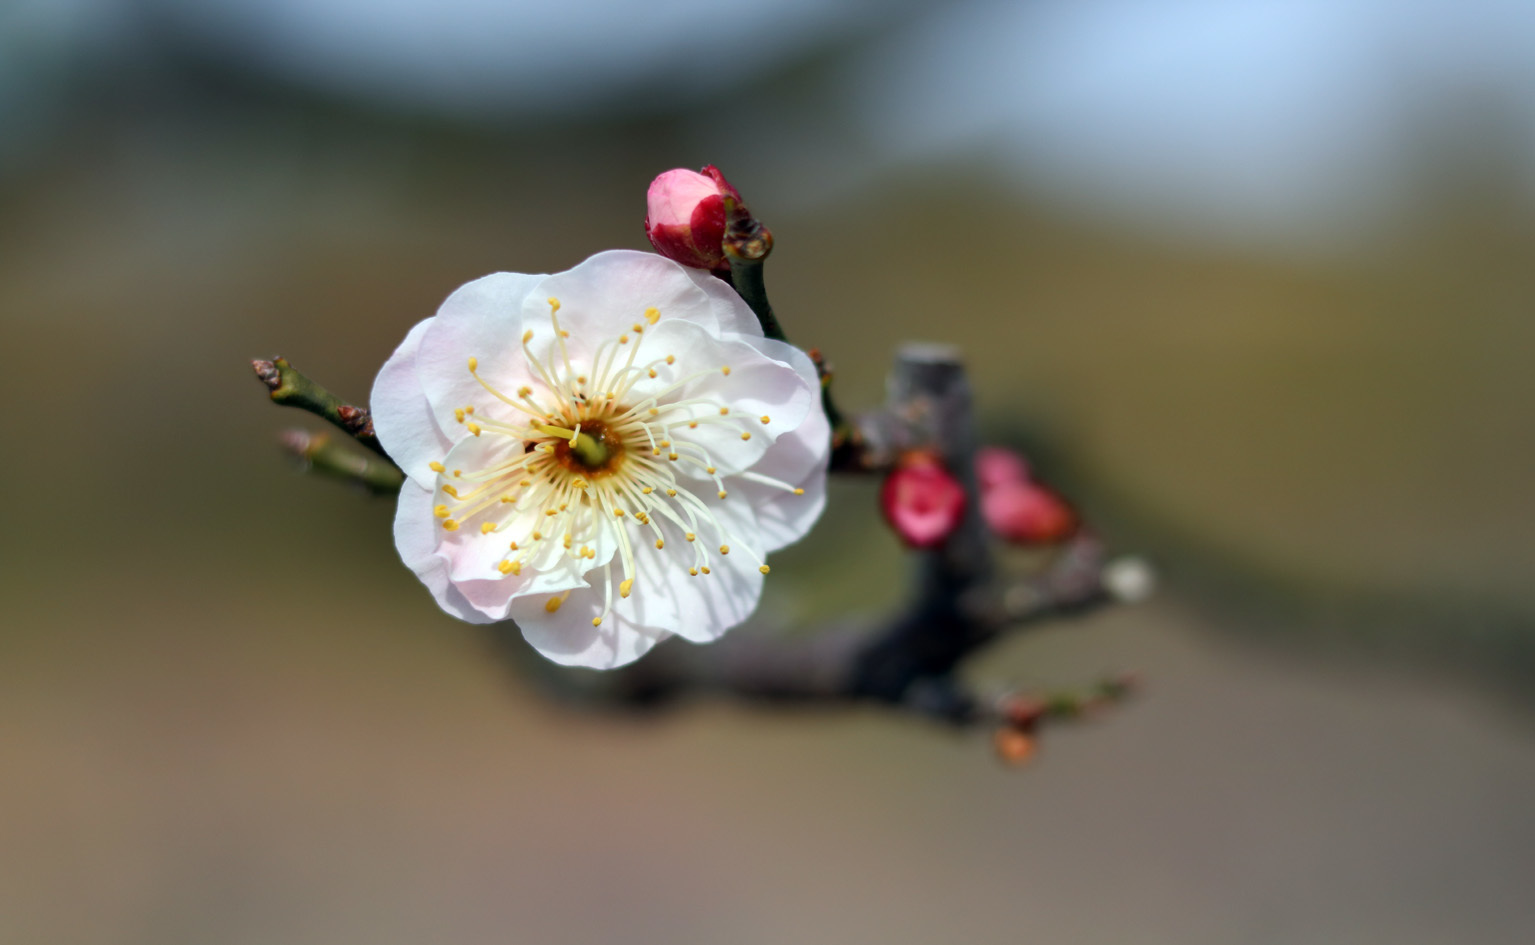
(1252,281)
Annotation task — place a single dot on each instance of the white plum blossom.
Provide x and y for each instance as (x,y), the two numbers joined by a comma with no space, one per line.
(604,455)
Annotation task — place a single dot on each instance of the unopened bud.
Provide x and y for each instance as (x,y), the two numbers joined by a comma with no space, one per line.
(1027,512)
(995,466)
(922,501)
(685,217)
(1014,747)
(1023,712)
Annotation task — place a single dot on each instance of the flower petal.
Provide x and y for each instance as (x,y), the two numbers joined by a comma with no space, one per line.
(609,292)
(799,459)
(755,386)
(730,311)
(566,635)
(402,416)
(415,534)
(702,607)
(483,320)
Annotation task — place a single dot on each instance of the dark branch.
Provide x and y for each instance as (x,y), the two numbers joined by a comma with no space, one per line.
(904,663)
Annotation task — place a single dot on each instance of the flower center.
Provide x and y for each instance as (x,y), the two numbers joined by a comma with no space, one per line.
(593,451)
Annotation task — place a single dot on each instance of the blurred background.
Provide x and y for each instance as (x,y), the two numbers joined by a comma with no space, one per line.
(1251,281)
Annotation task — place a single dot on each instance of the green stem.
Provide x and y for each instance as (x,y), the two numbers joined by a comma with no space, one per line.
(324,455)
(747,245)
(292,388)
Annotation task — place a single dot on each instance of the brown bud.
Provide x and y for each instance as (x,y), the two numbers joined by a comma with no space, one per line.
(268,374)
(356,419)
(1023,712)
(1014,747)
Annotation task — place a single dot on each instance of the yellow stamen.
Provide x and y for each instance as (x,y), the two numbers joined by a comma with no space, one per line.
(437,467)
(652,314)
(487,527)
(449,525)
(764,569)
(623,589)
(440,511)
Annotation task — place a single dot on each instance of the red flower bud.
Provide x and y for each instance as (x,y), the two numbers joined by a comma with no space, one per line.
(685,217)
(995,466)
(922,501)
(1027,512)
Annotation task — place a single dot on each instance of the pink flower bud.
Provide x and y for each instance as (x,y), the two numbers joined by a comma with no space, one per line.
(685,217)
(922,501)
(1027,512)
(995,466)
